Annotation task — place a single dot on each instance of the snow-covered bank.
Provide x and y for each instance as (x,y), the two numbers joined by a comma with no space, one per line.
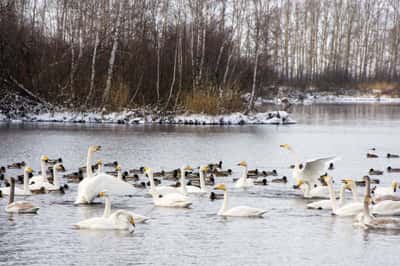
(137,117)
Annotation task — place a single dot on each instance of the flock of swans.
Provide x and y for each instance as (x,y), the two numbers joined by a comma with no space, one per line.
(373,211)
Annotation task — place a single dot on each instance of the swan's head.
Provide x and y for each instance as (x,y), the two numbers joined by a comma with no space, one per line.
(147,170)
(327,178)
(286,146)
(187,168)
(299,183)
(58,167)
(95,148)
(44,158)
(118,167)
(102,194)
(28,170)
(204,168)
(242,163)
(99,162)
(220,187)
(349,183)
(394,185)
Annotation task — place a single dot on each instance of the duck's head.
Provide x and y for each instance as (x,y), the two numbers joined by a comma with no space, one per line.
(220,187)
(95,148)
(28,170)
(286,146)
(44,158)
(242,163)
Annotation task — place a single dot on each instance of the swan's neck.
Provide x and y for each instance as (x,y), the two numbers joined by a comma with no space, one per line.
(355,192)
(183,182)
(119,175)
(89,172)
(107,207)
(244,173)
(224,206)
(12,191)
(202,181)
(26,182)
(366,199)
(56,181)
(332,195)
(99,168)
(43,169)
(153,190)
(341,194)
(307,190)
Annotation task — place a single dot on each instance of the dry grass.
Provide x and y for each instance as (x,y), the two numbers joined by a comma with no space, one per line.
(208,101)
(382,86)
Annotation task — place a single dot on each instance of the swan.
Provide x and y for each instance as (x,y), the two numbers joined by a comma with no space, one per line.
(18,191)
(367,221)
(311,170)
(46,184)
(176,200)
(386,208)
(185,189)
(19,206)
(42,177)
(239,211)
(320,192)
(107,209)
(119,220)
(327,204)
(382,191)
(91,185)
(163,190)
(349,209)
(243,181)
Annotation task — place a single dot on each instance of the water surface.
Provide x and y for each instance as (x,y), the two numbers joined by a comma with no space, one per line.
(289,233)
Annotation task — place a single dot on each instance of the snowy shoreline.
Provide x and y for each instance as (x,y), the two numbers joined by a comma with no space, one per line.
(134,117)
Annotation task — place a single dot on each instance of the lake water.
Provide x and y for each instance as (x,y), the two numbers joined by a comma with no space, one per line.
(289,234)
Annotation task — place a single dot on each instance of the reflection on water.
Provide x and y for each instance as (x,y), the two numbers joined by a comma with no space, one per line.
(289,234)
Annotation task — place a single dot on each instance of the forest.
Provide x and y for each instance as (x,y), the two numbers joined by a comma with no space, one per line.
(202,55)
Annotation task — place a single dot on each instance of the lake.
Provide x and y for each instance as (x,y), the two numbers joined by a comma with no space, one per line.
(288,234)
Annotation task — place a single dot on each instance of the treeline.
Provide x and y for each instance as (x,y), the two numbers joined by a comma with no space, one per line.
(171,53)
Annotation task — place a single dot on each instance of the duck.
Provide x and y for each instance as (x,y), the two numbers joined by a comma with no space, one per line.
(174,200)
(54,161)
(17,191)
(222,173)
(42,177)
(118,220)
(215,196)
(74,177)
(280,180)
(391,155)
(349,209)
(2,170)
(372,171)
(393,170)
(262,182)
(244,181)
(381,191)
(239,211)
(270,173)
(111,164)
(137,171)
(366,220)
(91,185)
(17,165)
(361,183)
(19,206)
(212,166)
(372,155)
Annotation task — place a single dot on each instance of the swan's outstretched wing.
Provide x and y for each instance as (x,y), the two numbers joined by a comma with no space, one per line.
(313,169)
(113,185)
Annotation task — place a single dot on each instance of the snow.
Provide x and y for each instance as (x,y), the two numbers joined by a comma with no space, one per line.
(134,117)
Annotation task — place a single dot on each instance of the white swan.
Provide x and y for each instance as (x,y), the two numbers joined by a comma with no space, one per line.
(46,184)
(176,200)
(367,221)
(18,191)
(311,170)
(119,220)
(107,209)
(243,181)
(239,211)
(320,192)
(91,186)
(43,176)
(185,189)
(163,190)
(349,209)
(327,204)
(383,191)
(19,206)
